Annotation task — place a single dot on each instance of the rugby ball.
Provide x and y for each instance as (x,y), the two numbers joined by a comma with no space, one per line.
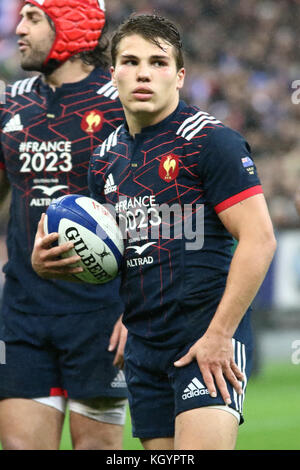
(93,230)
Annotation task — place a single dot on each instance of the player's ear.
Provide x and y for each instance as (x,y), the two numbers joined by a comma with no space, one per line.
(180,78)
(112,72)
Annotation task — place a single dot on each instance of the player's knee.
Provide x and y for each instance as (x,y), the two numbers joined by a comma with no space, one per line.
(16,443)
(103,441)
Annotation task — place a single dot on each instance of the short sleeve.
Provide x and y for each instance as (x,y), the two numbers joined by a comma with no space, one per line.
(230,175)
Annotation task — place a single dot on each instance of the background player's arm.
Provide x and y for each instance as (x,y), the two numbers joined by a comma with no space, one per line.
(46,259)
(249,222)
(4,185)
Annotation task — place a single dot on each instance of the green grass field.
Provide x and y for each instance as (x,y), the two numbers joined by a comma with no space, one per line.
(271,412)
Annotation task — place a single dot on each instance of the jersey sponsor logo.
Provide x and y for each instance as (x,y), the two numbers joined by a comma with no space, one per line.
(92,121)
(133,262)
(14,124)
(41,202)
(169,168)
(194,389)
(50,191)
(119,380)
(110,186)
(140,249)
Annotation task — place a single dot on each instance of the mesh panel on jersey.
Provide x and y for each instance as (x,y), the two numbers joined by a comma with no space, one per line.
(78,25)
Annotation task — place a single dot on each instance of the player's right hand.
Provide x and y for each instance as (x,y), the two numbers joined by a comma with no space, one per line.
(46,259)
(117,342)
(214,355)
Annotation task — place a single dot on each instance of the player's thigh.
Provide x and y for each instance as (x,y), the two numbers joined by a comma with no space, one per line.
(97,424)
(150,395)
(206,428)
(28,425)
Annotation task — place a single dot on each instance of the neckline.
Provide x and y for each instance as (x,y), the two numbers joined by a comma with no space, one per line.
(159,125)
(70,86)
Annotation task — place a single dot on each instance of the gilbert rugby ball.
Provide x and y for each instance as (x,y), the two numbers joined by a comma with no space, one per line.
(93,230)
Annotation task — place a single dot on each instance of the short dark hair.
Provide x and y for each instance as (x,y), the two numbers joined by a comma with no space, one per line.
(151,28)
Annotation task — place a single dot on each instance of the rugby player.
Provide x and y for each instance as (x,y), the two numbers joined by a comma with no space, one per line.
(187,306)
(185,188)
(57,334)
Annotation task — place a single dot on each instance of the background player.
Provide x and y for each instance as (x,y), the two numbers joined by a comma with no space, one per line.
(170,153)
(57,333)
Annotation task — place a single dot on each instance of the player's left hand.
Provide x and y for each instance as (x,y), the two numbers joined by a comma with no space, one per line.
(118,340)
(214,354)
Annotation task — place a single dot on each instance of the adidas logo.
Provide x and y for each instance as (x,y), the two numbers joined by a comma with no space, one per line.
(119,381)
(14,124)
(194,389)
(110,185)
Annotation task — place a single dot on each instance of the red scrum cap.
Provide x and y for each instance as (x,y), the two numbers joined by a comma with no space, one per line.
(78,25)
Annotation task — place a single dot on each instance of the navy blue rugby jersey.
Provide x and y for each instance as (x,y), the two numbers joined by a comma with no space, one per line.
(47,138)
(167,186)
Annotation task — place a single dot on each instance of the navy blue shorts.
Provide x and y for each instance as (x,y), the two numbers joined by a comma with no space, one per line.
(158,391)
(48,355)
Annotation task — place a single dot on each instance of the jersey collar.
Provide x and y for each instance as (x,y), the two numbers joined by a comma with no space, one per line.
(72,86)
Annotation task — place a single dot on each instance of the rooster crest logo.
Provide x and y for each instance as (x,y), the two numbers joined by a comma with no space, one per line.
(92,121)
(169,168)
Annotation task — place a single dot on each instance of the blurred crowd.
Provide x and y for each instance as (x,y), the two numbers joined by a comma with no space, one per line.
(242,60)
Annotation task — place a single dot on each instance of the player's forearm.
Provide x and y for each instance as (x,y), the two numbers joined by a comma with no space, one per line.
(248,268)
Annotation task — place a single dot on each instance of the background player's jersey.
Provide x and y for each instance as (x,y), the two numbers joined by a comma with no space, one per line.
(176,262)
(47,139)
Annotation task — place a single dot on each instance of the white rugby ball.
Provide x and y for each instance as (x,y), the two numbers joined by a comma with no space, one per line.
(93,230)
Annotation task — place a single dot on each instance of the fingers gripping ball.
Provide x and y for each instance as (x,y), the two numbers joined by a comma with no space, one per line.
(78,25)
(93,230)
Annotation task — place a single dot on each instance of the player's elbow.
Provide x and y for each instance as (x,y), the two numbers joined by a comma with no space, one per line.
(268,243)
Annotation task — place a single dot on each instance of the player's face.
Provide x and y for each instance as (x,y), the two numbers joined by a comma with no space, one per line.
(36,37)
(147,78)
